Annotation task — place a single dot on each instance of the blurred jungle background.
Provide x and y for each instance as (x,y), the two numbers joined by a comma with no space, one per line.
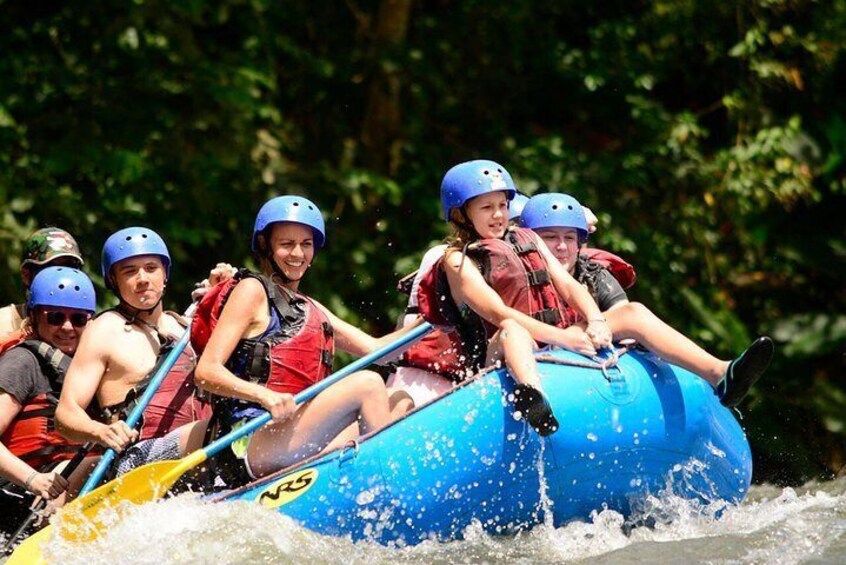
(708,136)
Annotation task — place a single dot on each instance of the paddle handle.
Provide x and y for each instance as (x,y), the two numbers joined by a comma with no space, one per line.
(222,443)
(138,411)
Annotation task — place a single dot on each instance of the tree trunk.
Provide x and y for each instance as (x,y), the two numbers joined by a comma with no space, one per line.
(381,129)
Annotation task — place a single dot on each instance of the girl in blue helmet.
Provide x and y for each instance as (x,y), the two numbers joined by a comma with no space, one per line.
(270,342)
(559,220)
(60,304)
(498,315)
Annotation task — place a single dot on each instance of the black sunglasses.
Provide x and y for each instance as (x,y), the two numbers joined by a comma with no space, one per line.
(77,320)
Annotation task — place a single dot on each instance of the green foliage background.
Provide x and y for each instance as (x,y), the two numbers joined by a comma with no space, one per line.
(709,137)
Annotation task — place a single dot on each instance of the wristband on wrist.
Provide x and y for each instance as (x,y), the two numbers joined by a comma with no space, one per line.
(28,482)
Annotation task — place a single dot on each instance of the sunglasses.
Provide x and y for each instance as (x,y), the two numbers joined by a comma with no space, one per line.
(77,320)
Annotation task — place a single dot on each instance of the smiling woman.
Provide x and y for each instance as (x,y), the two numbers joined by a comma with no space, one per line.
(263,341)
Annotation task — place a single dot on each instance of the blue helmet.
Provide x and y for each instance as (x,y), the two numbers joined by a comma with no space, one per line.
(516,206)
(132,242)
(290,209)
(552,210)
(62,287)
(471,179)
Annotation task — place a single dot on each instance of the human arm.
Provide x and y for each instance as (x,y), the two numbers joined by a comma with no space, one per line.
(576,296)
(468,286)
(358,342)
(221,272)
(590,219)
(46,485)
(244,315)
(86,371)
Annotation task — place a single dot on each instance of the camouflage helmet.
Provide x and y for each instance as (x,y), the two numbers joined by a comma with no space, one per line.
(47,244)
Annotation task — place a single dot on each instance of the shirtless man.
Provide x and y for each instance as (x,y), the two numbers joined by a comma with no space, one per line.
(118,353)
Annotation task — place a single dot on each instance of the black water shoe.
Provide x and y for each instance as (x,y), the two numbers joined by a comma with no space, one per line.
(535,409)
(744,371)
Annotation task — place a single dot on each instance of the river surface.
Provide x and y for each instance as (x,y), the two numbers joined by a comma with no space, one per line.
(773,525)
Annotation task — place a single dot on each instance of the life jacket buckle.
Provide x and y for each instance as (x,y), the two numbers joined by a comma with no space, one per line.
(539,277)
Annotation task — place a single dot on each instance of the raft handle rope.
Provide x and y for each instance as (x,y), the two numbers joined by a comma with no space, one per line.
(596,362)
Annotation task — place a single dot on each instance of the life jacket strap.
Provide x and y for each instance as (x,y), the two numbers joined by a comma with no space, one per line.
(549,316)
(539,277)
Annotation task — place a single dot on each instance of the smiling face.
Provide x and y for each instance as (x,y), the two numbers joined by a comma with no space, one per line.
(64,336)
(489,214)
(292,247)
(564,244)
(140,281)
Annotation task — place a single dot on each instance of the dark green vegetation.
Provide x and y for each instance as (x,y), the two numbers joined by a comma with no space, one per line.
(709,136)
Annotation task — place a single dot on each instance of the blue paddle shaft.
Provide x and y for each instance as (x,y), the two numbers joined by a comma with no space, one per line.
(219,445)
(138,411)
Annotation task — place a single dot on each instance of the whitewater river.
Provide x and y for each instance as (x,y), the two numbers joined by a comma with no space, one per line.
(802,525)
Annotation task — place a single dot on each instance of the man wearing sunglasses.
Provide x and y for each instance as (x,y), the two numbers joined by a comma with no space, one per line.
(44,248)
(60,304)
(119,353)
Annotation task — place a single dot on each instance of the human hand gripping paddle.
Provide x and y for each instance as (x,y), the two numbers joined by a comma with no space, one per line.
(107,458)
(153,480)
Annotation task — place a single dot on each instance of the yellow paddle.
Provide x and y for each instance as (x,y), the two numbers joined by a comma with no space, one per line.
(79,518)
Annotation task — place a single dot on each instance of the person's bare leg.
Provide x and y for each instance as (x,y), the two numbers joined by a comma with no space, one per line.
(191,436)
(634,320)
(360,397)
(514,345)
(401,404)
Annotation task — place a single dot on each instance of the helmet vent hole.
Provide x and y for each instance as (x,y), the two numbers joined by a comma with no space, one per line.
(487,172)
(296,203)
(569,206)
(129,238)
(144,235)
(61,287)
(555,206)
(76,288)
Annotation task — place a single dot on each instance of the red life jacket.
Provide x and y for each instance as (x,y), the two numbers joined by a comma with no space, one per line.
(32,435)
(296,350)
(618,267)
(175,403)
(516,270)
(13,338)
(621,270)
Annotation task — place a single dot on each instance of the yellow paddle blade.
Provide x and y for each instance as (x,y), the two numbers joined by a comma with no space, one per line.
(82,519)
(29,551)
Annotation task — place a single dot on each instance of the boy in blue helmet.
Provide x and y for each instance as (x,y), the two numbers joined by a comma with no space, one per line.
(558,219)
(61,302)
(119,353)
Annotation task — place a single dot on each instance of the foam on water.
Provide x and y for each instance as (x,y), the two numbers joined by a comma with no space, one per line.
(772,526)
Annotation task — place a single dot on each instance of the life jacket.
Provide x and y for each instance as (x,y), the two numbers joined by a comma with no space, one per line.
(175,403)
(32,435)
(592,260)
(15,337)
(516,270)
(297,349)
(621,270)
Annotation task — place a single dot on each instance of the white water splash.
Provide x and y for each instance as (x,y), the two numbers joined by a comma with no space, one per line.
(806,525)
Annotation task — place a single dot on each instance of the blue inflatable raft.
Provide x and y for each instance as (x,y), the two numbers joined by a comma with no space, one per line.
(626,432)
